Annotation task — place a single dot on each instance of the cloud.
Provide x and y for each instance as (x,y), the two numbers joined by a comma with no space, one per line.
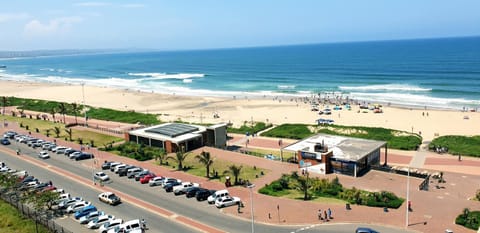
(5,17)
(92,4)
(132,5)
(58,25)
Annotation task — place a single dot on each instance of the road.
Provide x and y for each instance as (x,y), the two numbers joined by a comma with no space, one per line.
(142,201)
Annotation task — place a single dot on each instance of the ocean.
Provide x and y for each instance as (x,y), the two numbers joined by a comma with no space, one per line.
(438,73)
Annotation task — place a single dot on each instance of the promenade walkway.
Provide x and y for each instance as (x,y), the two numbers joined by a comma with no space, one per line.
(437,207)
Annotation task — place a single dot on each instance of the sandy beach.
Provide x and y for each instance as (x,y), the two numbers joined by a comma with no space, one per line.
(240,109)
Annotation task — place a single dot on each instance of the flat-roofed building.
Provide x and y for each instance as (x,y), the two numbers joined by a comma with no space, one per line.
(173,136)
(323,153)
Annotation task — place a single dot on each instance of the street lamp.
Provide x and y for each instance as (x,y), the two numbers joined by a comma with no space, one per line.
(408,195)
(250,187)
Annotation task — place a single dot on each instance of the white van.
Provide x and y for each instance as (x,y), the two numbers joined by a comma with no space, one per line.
(220,193)
(130,226)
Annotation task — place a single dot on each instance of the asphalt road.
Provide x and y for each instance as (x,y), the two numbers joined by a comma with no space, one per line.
(180,205)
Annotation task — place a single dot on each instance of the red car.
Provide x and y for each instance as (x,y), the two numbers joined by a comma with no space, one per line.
(147,178)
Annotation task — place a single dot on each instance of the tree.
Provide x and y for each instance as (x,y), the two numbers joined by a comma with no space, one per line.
(56,131)
(69,132)
(53,111)
(235,171)
(62,109)
(303,184)
(75,110)
(160,155)
(5,102)
(206,160)
(179,157)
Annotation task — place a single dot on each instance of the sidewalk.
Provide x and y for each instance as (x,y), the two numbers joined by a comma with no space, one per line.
(437,207)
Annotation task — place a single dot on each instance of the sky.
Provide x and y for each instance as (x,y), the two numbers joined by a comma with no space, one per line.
(203,24)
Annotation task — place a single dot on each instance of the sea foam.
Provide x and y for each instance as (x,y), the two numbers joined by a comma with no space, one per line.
(386,87)
(157,76)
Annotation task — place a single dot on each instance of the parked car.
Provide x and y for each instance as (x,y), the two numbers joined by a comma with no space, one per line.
(132,172)
(90,216)
(220,193)
(77,206)
(60,149)
(109,225)
(129,226)
(365,230)
(83,156)
(84,211)
(141,174)
(147,178)
(43,155)
(101,176)
(169,187)
(180,189)
(109,198)
(99,221)
(203,195)
(169,180)
(123,171)
(191,191)
(106,165)
(66,203)
(74,154)
(155,181)
(113,165)
(227,201)
(5,141)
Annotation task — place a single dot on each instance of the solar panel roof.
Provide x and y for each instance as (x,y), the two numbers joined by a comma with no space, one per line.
(173,130)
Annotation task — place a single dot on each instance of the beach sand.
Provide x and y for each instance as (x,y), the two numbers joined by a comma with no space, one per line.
(240,109)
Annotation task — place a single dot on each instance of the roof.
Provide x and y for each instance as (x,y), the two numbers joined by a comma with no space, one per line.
(344,148)
(174,132)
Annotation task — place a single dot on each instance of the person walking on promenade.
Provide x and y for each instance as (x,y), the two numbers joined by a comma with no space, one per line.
(319,214)
(329,212)
(325,216)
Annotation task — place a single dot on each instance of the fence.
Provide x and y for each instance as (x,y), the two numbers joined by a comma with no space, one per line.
(45,219)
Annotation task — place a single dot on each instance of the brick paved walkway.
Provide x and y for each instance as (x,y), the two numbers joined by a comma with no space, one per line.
(437,207)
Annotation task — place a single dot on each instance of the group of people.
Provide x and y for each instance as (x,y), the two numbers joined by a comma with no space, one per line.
(326,216)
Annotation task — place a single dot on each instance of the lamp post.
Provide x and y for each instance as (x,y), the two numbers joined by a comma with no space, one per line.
(84,110)
(408,196)
(251,186)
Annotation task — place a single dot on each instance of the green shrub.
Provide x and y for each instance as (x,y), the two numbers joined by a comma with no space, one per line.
(458,145)
(259,126)
(469,219)
(293,131)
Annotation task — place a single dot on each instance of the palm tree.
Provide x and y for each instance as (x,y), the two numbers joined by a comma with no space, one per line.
(179,157)
(235,171)
(160,155)
(57,131)
(303,184)
(206,160)
(69,132)
(62,109)
(53,111)
(75,109)
(4,103)
(47,132)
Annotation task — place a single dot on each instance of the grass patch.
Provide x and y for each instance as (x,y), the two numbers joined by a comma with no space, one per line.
(249,128)
(12,221)
(297,195)
(293,131)
(395,139)
(122,116)
(469,219)
(458,145)
(192,166)
(42,126)
(74,109)
(303,188)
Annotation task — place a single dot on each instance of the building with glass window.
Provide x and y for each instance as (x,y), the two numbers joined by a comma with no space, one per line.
(324,154)
(174,136)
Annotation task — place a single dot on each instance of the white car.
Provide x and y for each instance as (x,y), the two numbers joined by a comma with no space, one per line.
(180,189)
(99,221)
(89,217)
(77,205)
(227,201)
(156,181)
(59,149)
(101,176)
(109,198)
(109,225)
(74,154)
(43,155)
(131,226)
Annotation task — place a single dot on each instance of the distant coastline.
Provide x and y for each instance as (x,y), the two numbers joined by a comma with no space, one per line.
(411,73)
